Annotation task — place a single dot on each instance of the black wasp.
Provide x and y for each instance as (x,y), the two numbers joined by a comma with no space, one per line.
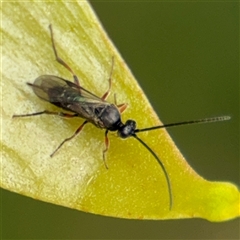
(84,104)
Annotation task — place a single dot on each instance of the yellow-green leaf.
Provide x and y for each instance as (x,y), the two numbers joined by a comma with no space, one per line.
(134,186)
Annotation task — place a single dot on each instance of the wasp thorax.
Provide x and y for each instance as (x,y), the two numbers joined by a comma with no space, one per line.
(128,129)
(111,118)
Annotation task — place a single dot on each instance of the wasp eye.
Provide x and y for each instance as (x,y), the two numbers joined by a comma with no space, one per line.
(128,129)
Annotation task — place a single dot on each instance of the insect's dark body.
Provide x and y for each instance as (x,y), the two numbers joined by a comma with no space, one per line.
(71,97)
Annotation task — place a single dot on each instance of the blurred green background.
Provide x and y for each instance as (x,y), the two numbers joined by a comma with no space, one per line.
(185,56)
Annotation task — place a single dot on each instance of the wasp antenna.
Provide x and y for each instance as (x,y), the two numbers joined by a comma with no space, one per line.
(162,166)
(204,120)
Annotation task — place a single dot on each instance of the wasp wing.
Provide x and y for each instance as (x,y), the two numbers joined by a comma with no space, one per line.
(51,88)
(71,97)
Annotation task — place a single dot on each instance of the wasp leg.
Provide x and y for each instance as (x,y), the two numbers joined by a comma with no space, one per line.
(61,114)
(59,60)
(106,149)
(121,107)
(115,99)
(106,94)
(68,139)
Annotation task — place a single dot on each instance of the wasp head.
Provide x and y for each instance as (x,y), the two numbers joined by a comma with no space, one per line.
(127,129)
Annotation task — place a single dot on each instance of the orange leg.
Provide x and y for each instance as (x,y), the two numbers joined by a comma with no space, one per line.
(106,94)
(59,60)
(60,114)
(106,149)
(68,139)
(122,107)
